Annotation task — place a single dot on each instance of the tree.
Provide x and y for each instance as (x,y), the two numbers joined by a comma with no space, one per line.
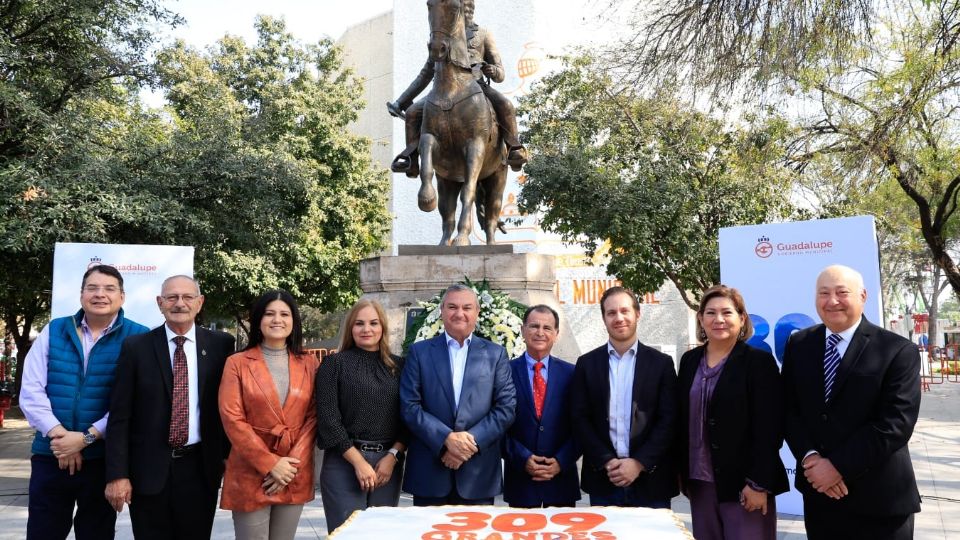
(263,130)
(654,178)
(874,86)
(250,163)
(722,45)
(63,66)
(892,116)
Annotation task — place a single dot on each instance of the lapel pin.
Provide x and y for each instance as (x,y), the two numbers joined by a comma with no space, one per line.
(203,352)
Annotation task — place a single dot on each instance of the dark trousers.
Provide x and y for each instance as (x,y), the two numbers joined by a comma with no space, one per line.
(824,521)
(628,499)
(453,498)
(341,491)
(567,504)
(182,510)
(53,494)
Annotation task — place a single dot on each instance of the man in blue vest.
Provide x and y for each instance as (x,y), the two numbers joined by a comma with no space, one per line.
(67,378)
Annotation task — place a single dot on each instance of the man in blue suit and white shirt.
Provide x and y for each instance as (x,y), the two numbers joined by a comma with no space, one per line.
(458,399)
(541,456)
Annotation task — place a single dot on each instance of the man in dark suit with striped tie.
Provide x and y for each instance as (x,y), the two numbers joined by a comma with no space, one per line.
(852,396)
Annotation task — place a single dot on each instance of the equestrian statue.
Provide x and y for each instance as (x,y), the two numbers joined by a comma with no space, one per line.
(464,130)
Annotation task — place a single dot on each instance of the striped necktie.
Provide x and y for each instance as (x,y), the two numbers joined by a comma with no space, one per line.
(831,361)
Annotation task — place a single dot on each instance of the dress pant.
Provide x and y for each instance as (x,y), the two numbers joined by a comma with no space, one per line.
(715,520)
(182,510)
(453,499)
(628,499)
(53,494)
(567,504)
(340,490)
(824,521)
(274,522)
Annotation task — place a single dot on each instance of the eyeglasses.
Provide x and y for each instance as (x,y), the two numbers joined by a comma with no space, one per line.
(174,298)
(94,289)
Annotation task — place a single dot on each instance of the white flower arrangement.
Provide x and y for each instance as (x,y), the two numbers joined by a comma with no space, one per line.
(499,320)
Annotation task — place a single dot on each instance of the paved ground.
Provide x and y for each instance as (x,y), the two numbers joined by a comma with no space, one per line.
(934,448)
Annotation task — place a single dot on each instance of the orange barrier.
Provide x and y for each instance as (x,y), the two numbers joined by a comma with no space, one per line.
(942,364)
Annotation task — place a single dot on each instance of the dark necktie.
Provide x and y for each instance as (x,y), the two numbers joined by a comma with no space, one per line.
(180,413)
(831,361)
(539,388)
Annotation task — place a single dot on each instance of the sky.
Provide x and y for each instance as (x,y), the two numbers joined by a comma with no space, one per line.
(206,21)
(308,20)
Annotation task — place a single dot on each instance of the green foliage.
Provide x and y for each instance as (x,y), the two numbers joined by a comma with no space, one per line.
(654,178)
(887,119)
(68,68)
(261,131)
(251,163)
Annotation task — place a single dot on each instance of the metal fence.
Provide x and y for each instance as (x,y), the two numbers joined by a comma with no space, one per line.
(939,364)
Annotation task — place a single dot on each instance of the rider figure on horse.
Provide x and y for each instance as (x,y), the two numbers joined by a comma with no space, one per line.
(483,54)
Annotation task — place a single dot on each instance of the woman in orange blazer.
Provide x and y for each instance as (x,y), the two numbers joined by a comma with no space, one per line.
(269,415)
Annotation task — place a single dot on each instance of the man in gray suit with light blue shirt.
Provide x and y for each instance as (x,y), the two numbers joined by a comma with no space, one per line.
(458,399)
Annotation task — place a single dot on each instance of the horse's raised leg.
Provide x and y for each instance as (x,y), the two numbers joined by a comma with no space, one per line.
(493,187)
(468,192)
(427,196)
(448,191)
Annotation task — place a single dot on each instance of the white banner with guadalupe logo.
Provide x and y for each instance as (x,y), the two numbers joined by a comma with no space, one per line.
(143,269)
(775,268)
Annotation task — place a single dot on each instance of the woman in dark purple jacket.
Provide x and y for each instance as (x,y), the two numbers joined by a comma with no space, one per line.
(730,425)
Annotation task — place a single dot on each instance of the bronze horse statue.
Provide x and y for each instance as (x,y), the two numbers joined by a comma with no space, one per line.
(460,140)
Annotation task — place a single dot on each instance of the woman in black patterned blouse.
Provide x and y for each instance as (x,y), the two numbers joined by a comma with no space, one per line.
(358,418)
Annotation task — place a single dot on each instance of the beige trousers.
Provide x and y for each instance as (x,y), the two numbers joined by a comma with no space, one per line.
(277,522)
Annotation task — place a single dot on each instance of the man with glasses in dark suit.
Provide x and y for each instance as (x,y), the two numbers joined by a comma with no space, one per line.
(166,447)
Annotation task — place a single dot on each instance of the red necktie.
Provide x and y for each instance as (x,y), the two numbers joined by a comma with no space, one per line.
(180,413)
(539,388)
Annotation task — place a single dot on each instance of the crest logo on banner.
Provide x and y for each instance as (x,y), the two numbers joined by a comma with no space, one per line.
(764,248)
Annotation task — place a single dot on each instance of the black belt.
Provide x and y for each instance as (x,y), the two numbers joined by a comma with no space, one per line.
(365,446)
(184,450)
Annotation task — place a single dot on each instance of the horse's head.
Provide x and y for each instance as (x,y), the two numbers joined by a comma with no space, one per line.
(448,37)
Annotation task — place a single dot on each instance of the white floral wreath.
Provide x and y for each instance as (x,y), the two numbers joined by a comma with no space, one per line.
(499,320)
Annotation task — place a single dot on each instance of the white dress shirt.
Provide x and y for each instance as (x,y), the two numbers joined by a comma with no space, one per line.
(458,363)
(190,348)
(622,369)
(845,338)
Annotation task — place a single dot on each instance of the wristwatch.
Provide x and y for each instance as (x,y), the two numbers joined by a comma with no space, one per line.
(89,438)
(396,454)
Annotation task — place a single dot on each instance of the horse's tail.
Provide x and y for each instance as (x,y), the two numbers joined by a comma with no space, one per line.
(481,196)
(478,201)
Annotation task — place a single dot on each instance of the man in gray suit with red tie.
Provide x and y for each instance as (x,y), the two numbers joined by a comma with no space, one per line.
(852,396)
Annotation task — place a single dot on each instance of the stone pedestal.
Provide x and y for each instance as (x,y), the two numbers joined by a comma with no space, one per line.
(420,272)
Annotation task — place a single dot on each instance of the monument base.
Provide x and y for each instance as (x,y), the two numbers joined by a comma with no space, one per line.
(400,282)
